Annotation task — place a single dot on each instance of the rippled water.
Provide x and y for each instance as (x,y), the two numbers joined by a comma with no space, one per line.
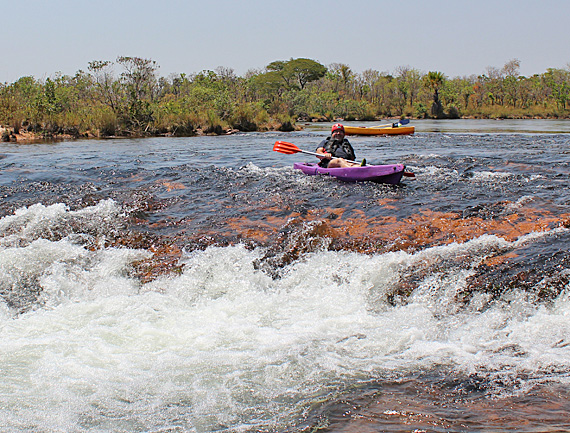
(201,284)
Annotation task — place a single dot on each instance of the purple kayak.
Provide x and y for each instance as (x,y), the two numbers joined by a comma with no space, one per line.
(391,173)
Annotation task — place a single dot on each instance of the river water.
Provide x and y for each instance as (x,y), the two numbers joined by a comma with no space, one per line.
(201,284)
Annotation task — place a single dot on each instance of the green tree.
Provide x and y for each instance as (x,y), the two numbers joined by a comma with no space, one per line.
(304,71)
(108,90)
(511,81)
(369,78)
(466,90)
(495,85)
(558,81)
(140,82)
(268,85)
(409,83)
(341,76)
(19,102)
(211,92)
(434,80)
(297,71)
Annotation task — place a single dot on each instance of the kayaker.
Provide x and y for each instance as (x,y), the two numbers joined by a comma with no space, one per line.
(336,150)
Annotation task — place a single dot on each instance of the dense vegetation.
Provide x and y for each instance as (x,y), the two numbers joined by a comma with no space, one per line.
(128,97)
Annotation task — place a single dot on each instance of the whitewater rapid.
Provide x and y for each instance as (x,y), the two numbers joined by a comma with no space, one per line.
(87,346)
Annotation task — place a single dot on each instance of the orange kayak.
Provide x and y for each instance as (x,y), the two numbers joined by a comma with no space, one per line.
(387,130)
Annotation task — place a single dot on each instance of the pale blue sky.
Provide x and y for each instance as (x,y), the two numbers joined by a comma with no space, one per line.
(456,37)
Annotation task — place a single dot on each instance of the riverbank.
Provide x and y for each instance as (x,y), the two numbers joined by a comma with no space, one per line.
(9,136)
(26,135)
(536,125)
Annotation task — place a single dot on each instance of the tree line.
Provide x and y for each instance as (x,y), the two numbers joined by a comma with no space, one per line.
(127,97)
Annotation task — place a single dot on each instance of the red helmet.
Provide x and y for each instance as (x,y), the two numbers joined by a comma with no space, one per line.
(337,127)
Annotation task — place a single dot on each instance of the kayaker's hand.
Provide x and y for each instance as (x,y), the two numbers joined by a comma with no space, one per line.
(323,154)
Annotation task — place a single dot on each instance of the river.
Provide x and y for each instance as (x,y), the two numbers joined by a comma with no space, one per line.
(202,284)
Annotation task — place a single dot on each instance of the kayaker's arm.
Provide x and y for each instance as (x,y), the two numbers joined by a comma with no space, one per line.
(321,151)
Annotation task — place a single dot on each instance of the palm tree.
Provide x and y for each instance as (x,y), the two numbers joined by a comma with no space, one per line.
(434,80)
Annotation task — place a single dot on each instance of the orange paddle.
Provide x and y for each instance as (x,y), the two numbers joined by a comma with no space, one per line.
(290,149)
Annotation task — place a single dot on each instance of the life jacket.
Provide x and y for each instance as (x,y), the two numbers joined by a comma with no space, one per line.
(339,150)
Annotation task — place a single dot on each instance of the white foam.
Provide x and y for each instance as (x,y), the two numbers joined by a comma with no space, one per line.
(223,344)
(490,176)
(33,222)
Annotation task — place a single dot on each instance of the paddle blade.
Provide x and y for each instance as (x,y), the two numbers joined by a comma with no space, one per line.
(286,148)
(400,123)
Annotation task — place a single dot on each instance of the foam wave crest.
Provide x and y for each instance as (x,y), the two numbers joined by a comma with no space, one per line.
(224,345)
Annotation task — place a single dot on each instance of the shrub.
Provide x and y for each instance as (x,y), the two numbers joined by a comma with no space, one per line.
(212,124)
(6,135)
(16,123)
(287,124)
(420,110)
(108,125)
(243,118)
(453,112)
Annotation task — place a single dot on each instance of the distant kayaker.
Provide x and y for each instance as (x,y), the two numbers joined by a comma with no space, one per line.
(336,150)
